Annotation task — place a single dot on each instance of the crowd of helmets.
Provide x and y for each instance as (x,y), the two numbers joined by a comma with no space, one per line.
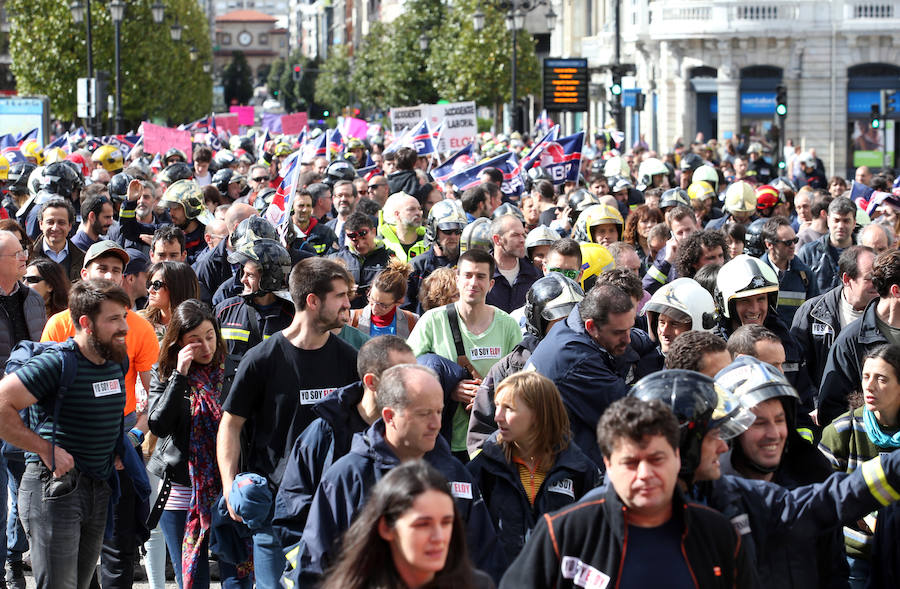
(622,212)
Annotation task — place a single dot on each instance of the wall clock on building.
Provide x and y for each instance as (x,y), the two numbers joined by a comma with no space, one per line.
(245,38)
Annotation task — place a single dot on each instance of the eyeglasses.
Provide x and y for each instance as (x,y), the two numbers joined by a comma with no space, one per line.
(374,187)
(451,231)
(794,241)
(260,179)
(156,285)
(19,254)
(33,279)
(384,306)
(354,235)
(570,274)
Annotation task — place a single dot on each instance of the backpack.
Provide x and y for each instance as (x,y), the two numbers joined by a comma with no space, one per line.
(35,416)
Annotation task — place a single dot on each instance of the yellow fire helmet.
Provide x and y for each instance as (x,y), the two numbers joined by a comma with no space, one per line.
(594,259)
(110,158)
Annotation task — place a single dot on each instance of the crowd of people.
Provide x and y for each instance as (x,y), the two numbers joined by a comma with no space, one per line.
(314,372)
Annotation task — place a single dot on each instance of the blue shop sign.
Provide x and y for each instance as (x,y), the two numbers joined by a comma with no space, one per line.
(757,103)
(859,102)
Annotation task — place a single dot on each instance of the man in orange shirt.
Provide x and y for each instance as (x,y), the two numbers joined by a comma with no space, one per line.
(106,260)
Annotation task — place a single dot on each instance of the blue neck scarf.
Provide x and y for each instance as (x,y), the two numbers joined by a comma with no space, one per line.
(876,434)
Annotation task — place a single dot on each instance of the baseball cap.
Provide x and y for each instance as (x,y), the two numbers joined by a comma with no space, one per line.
(103,248)
(137,262)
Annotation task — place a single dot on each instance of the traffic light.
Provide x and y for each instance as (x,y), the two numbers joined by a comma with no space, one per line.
(326,113)
(781,100)
(616,87)
(298,72)
(875,117)
(640,100)
(890,102)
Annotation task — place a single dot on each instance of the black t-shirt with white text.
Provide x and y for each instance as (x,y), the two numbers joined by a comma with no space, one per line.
(275,388)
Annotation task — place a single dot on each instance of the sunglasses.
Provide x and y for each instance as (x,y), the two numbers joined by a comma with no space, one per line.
(794,241)
(33,279)
(570,274)
(260,179)
(156,285)
(374,187)
(354,235)
(452,231)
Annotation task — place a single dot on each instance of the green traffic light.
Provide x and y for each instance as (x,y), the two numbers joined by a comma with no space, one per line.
(326,113)
(616,89)
(781,109)
(876,123)
(782,165)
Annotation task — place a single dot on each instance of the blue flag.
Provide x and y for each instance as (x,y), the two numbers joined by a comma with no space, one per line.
(456,162)
(422,140)
(562,158)
(534,156)
(513,183)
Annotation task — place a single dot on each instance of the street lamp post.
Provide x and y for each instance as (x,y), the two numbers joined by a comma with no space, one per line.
(79,15)
(117,12)
(516,10)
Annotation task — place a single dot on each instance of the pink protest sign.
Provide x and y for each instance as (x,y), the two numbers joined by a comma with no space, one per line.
(355,128)
(158,139)
(228,123)
(244,113)
(293,124)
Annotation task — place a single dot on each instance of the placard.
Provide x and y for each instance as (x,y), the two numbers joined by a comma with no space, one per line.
(244,113)
(294,123)
(158,139)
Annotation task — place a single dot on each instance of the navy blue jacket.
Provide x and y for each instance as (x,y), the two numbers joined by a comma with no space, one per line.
(816,325)
(212,270)
(659,273)
(569,478)
(510,297)
(793,560)
(449,374)
(240,332)
(343,491)
(843,369)
(590,378)
(423,265)
(822,259)
(795,285)
(325,440)
(363,269)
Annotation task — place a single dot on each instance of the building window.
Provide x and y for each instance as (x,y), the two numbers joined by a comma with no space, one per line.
(263,39)
(226,38)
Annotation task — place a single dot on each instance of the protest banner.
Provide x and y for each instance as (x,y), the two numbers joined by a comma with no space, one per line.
(158,139)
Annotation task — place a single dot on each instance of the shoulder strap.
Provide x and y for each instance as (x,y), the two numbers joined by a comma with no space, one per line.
(461,358)
(69,360)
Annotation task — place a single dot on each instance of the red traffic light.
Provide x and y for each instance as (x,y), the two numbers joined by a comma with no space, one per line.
(297,68)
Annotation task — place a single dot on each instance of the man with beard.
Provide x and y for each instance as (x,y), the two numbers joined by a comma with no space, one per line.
(305,232)
(443,230)
(63,506)
(401,226)
(96,219)
(135,211)
(276,385)
(105,260)
(345,197)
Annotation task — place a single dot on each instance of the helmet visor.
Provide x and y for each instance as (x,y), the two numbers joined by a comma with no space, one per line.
(730,417)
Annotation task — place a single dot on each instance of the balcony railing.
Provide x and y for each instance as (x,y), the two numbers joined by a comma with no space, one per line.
(705,18)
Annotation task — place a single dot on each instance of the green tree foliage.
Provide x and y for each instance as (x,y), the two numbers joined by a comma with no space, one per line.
(333,86)
(237,80)
(49,52)
(475,65)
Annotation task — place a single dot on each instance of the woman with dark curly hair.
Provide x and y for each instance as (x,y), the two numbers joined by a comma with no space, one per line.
(49,280)
(637,227)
